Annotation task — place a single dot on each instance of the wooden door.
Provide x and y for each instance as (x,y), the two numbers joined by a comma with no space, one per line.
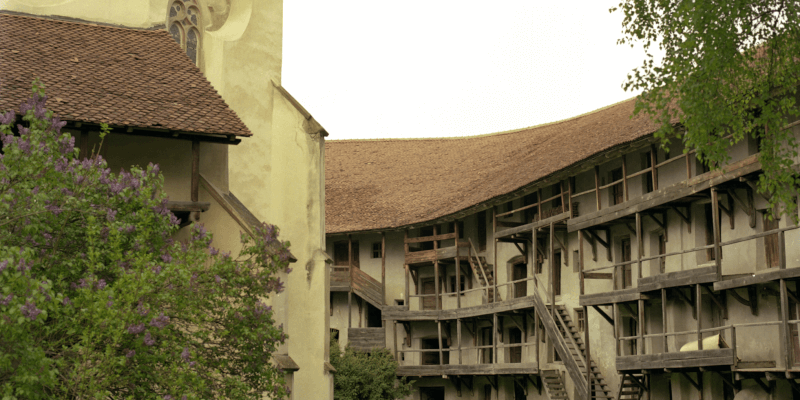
(771,243)
(520,272)
(487,357)
(514,353)
(428,286)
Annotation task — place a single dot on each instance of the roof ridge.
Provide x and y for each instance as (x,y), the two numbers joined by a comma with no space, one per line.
(542,125)
(78,21)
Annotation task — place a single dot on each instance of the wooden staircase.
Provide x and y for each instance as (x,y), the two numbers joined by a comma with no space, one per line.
(483,271)
(599,387)
(554,384)
(631,387)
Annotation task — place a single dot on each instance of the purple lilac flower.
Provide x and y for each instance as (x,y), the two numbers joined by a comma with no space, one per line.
(141,310)
(101,284)
(136,329)
(160,322)
(157,269)
(148,339)
(166,258)
(111,215)
(7,118)
(29,310)
(213,251)
(185,355)
(66,301)
(130,353)
(217,278)
(3,265)
(7,300)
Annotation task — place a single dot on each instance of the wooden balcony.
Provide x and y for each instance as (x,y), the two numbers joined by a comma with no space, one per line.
(677,360)
(468,369)
(366,339)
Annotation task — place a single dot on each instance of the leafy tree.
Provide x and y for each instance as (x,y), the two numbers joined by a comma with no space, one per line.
(730,68)
(97,300)
(366,376)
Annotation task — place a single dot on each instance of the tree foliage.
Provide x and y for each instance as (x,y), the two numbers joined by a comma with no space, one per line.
(730,71)
(366,376)
(97,300)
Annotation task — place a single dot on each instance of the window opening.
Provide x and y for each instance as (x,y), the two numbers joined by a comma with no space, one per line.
(482,231)
(557,273)
(617,190)
(627,270)
(376,250)
(184,23)
(771,245)
(514,353)
(520,271)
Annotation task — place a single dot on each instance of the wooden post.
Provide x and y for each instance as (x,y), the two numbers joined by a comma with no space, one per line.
(639,243)
(458,334)
(537,339)
(383,266)
(494,337)
(580,260)
(699,305)
(535,263)
(195,170)
(407,301)
(653,163)
(615,315)
(597,185)
(458,277)
(664,317)
(436,276)
(624,177)
(441,352)
(589,392)
(715,221)
(552,271)
(787,335)
(688,167)
(394,339)
(350,292)
(640,340)
(570,190)
(494,256)
(782,249)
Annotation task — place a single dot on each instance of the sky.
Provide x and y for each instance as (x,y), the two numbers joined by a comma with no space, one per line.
(440,68)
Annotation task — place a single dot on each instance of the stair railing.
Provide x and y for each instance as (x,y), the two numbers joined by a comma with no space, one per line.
(560,345)
(478,259)
(571,338)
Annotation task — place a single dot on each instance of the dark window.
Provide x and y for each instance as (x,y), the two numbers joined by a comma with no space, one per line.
(374,319)
(430,357)
(431,393)
(482,231)
(340,254)
(487,392)
(618,189)
(576,262)
(451,228)
(530,213)
(557,273)
(453,284)
(519,392)
(520,272)
(335,334)
(627,270)
(509,206)
(580,319)
(709,220)
(427,231)
(514,353)
(771,246)
(376,250)
(633,330)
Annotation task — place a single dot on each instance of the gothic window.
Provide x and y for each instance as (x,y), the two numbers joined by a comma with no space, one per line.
(184,26)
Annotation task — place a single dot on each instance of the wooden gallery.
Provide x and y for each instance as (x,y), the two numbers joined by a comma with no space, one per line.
(573,260)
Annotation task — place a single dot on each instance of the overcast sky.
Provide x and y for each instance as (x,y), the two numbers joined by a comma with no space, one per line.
(378,69)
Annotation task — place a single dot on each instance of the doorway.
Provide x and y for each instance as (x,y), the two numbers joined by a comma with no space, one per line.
(514,353)
(520,271)
(431,393)
(428,286)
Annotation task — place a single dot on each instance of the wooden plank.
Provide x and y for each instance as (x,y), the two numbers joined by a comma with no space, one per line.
(597,275)
(188,206)
(468,369)
(445,236)
(679,278)
(666,195)
(763,277)
(616,296)
(527,228)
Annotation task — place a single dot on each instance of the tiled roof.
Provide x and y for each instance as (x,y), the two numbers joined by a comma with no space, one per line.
(385,184)
(120,76)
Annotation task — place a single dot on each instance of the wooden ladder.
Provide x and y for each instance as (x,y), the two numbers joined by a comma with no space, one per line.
(483,271)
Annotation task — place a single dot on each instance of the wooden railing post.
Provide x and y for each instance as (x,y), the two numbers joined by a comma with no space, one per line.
(441,351)
(589,392)
(624,177)
(653,163)
(458,335)
(640,347)
(580,261)
(787,336)
(664,317)
(458,277)
(383,267)
(639,243)
(699,307)
(596,186)
(552,270)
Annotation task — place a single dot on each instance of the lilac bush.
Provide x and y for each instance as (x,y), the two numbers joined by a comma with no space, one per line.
(97,300)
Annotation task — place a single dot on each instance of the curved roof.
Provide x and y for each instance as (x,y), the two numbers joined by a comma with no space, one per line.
(120,76)
(391,183)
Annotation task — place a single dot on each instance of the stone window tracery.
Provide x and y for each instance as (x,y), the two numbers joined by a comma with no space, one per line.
(184,26)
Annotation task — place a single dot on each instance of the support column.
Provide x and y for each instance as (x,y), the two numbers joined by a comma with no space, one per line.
(407,301)
(383,266)
(590,391)
(494,256)
(394,339)
(699,305)
(580,262)
(640,242)
(494,338)
(640,340)
(787,335)
(552,271)
(441,353)
(615,315)
(458,277)
(653,163)
(350,292)
(436,275)
(717,247)
(458,334)
(664,318)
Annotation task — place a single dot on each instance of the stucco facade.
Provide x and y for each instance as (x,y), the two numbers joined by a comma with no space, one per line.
(275,176)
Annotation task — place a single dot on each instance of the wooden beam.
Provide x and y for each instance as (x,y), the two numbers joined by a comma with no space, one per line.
(689,378)
(687,218)
(603,314)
